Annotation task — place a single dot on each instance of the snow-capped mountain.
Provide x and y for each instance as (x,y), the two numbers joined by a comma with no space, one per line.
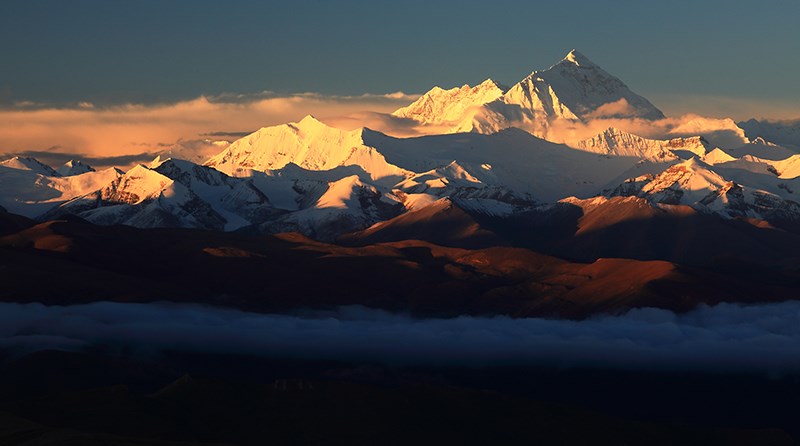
(345,205)
(785,133)
(524,165)
(309,144)
(720,189)
(439,106)
(323,181)
(615,142)
(574,89)
(143,198)
(172,193)
(74,167)
(717,156)
(761,148)
(29,164)
(29,187)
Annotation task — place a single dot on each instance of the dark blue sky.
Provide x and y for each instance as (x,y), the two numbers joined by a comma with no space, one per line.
(149,51)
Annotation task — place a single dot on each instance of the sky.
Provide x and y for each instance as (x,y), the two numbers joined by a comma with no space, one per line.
(714,57)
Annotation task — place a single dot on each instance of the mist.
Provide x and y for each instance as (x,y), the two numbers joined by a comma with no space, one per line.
(726,337)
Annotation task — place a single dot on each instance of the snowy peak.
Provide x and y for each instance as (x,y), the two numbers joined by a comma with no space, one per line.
(576,58)
(574,89)
(696,184)
(30,193)
(763,149)
(74,167)
(31,164)
(310,123)
(137,185)
(490,84)
(439,106)
(143,198)
(690,182)
(615,142)
(717,156)
(342,194)
(587,90)
(689,146)
(785,133)
(437,181)
(309,144)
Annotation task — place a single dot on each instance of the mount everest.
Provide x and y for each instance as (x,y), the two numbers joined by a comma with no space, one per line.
(495,155)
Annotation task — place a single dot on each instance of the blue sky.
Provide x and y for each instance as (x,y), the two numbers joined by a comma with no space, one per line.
(159,51)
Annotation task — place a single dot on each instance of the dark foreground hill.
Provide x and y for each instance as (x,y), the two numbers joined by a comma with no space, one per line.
(71,261)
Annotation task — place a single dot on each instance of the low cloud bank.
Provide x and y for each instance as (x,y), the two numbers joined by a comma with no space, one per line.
(127,129)
(726,337)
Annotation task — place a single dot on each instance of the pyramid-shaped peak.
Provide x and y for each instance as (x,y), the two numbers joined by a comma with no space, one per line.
(492,84)
(575,57)
(74,167)
(693,163)
(310,120)
(29,163)
(311,125)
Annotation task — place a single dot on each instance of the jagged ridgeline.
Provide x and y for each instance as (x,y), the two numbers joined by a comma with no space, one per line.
(491,159)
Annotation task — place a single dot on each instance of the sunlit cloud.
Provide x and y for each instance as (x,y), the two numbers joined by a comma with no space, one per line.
(136,131)
(722,132)
(738,109)
(128,129)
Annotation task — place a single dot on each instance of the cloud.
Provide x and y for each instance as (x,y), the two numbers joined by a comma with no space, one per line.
(239,98)
(96,132)
(722,132)
(618,108)
(723,106)
(383,122)
(129,129)
(726,337)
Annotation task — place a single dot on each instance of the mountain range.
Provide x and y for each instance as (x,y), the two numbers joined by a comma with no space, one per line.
(493,174)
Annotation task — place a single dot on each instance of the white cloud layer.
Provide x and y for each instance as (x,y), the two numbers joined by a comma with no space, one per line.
(726,337)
